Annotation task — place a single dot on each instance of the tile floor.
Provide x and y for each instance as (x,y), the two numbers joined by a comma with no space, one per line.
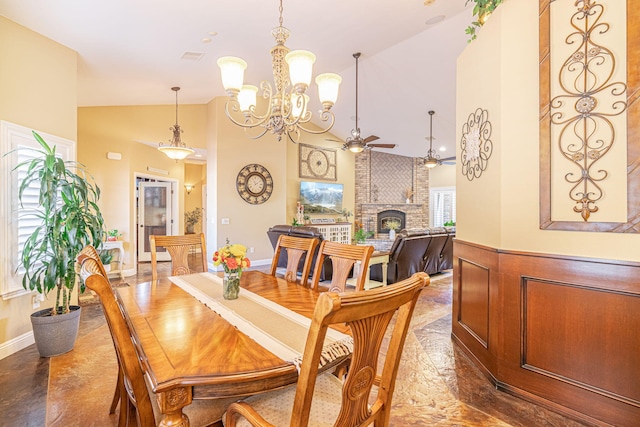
(437,384)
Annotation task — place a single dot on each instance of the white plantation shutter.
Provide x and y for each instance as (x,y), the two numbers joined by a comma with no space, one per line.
(26,221)
(442,206)
(16,224)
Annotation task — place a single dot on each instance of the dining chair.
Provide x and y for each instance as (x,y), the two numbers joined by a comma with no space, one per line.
(326,400)
(141,405)
(343,257)
(119,393)
(91,252)
(178,248)
(296,248)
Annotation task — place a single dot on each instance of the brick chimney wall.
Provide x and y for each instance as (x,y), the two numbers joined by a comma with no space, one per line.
(381,182)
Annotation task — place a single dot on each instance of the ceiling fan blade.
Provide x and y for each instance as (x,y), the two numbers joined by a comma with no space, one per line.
(448,158)
(334,140)
(371,138)
(381,145)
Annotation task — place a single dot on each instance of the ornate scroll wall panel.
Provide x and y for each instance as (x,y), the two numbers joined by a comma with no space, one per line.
(583,135)
(588,88)
(476,146)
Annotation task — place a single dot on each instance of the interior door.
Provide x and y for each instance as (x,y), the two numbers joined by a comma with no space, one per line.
(154,217)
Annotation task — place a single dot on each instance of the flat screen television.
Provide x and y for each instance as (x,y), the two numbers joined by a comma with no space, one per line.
(321,197)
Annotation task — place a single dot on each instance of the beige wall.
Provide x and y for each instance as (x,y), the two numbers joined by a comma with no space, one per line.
(117,129)
(229,150)
(345,172)
(38,91)
(442,176)
(499,72)
(195,175)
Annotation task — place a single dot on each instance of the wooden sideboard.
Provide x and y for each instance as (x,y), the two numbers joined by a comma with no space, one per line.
(558,330)
(338,232)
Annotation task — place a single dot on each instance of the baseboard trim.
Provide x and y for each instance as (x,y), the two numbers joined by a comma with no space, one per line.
(16,344)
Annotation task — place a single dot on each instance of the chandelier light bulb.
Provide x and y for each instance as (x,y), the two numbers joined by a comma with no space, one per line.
(300,68)
(247,97)
(328,85)
(232,72)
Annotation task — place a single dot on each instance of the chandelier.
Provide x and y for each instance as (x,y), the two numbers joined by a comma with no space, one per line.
(287,112)
(177,149)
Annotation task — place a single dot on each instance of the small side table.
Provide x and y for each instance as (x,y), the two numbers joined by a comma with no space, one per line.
(378,257)
(115,244)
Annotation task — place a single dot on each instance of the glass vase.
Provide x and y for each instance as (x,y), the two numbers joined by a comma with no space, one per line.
(231,285)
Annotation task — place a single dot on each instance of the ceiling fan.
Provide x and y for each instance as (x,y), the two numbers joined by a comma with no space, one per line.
(432,160)
(355,143)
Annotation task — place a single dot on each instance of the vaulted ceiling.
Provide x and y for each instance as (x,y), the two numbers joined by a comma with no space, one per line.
(133,52)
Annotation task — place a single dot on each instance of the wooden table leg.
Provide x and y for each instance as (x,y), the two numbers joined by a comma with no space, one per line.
(171,404)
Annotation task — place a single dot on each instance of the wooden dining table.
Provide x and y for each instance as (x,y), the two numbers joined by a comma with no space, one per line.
(189,351)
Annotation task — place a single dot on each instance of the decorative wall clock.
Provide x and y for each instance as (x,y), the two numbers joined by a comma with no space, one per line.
(254,184)
(318,163)
(476,146)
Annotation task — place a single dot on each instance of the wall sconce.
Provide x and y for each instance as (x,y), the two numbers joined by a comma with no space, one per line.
(188,187)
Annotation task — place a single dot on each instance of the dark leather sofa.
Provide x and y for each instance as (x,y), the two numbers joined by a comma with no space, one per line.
(425,249)
(309,232)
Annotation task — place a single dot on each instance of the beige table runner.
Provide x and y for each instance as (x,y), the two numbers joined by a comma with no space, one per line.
(276,328)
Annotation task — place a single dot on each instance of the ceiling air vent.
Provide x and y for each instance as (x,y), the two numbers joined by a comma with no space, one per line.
(193,56)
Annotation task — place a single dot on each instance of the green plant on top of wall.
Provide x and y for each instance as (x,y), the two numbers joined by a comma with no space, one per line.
(483,9)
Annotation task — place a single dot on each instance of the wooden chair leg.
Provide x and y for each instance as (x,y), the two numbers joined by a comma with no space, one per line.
(116,393)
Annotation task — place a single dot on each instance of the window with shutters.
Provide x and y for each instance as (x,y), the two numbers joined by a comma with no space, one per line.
(442,206)
(17,221)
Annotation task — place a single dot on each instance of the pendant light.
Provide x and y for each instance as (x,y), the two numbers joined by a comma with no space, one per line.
(177,149)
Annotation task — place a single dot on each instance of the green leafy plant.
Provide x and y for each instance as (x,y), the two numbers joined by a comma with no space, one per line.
(449,224)
(69,219)
(106,257)
(483,9)
(295,223)
(113,233)
(360,234)
(191,218)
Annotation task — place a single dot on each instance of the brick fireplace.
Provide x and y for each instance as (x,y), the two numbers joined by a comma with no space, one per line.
(383,182)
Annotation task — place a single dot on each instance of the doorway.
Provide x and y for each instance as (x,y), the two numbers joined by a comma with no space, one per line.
(156,205)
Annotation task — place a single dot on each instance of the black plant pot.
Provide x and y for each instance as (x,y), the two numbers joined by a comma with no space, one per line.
(55,335)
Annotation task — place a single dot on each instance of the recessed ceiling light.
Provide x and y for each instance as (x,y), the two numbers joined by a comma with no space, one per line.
(213,33)
(443,148)
(435,19)
(429,2)
(206,40)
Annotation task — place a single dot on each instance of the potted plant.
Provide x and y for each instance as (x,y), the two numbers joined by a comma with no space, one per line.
(105,258)
(360,234)
(112,235)
(393,226)
(482,9)
(191,218)
(68,220)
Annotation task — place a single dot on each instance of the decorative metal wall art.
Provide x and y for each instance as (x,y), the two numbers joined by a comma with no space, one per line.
(318,163)
(628,49)
(581,111)
(476,146)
